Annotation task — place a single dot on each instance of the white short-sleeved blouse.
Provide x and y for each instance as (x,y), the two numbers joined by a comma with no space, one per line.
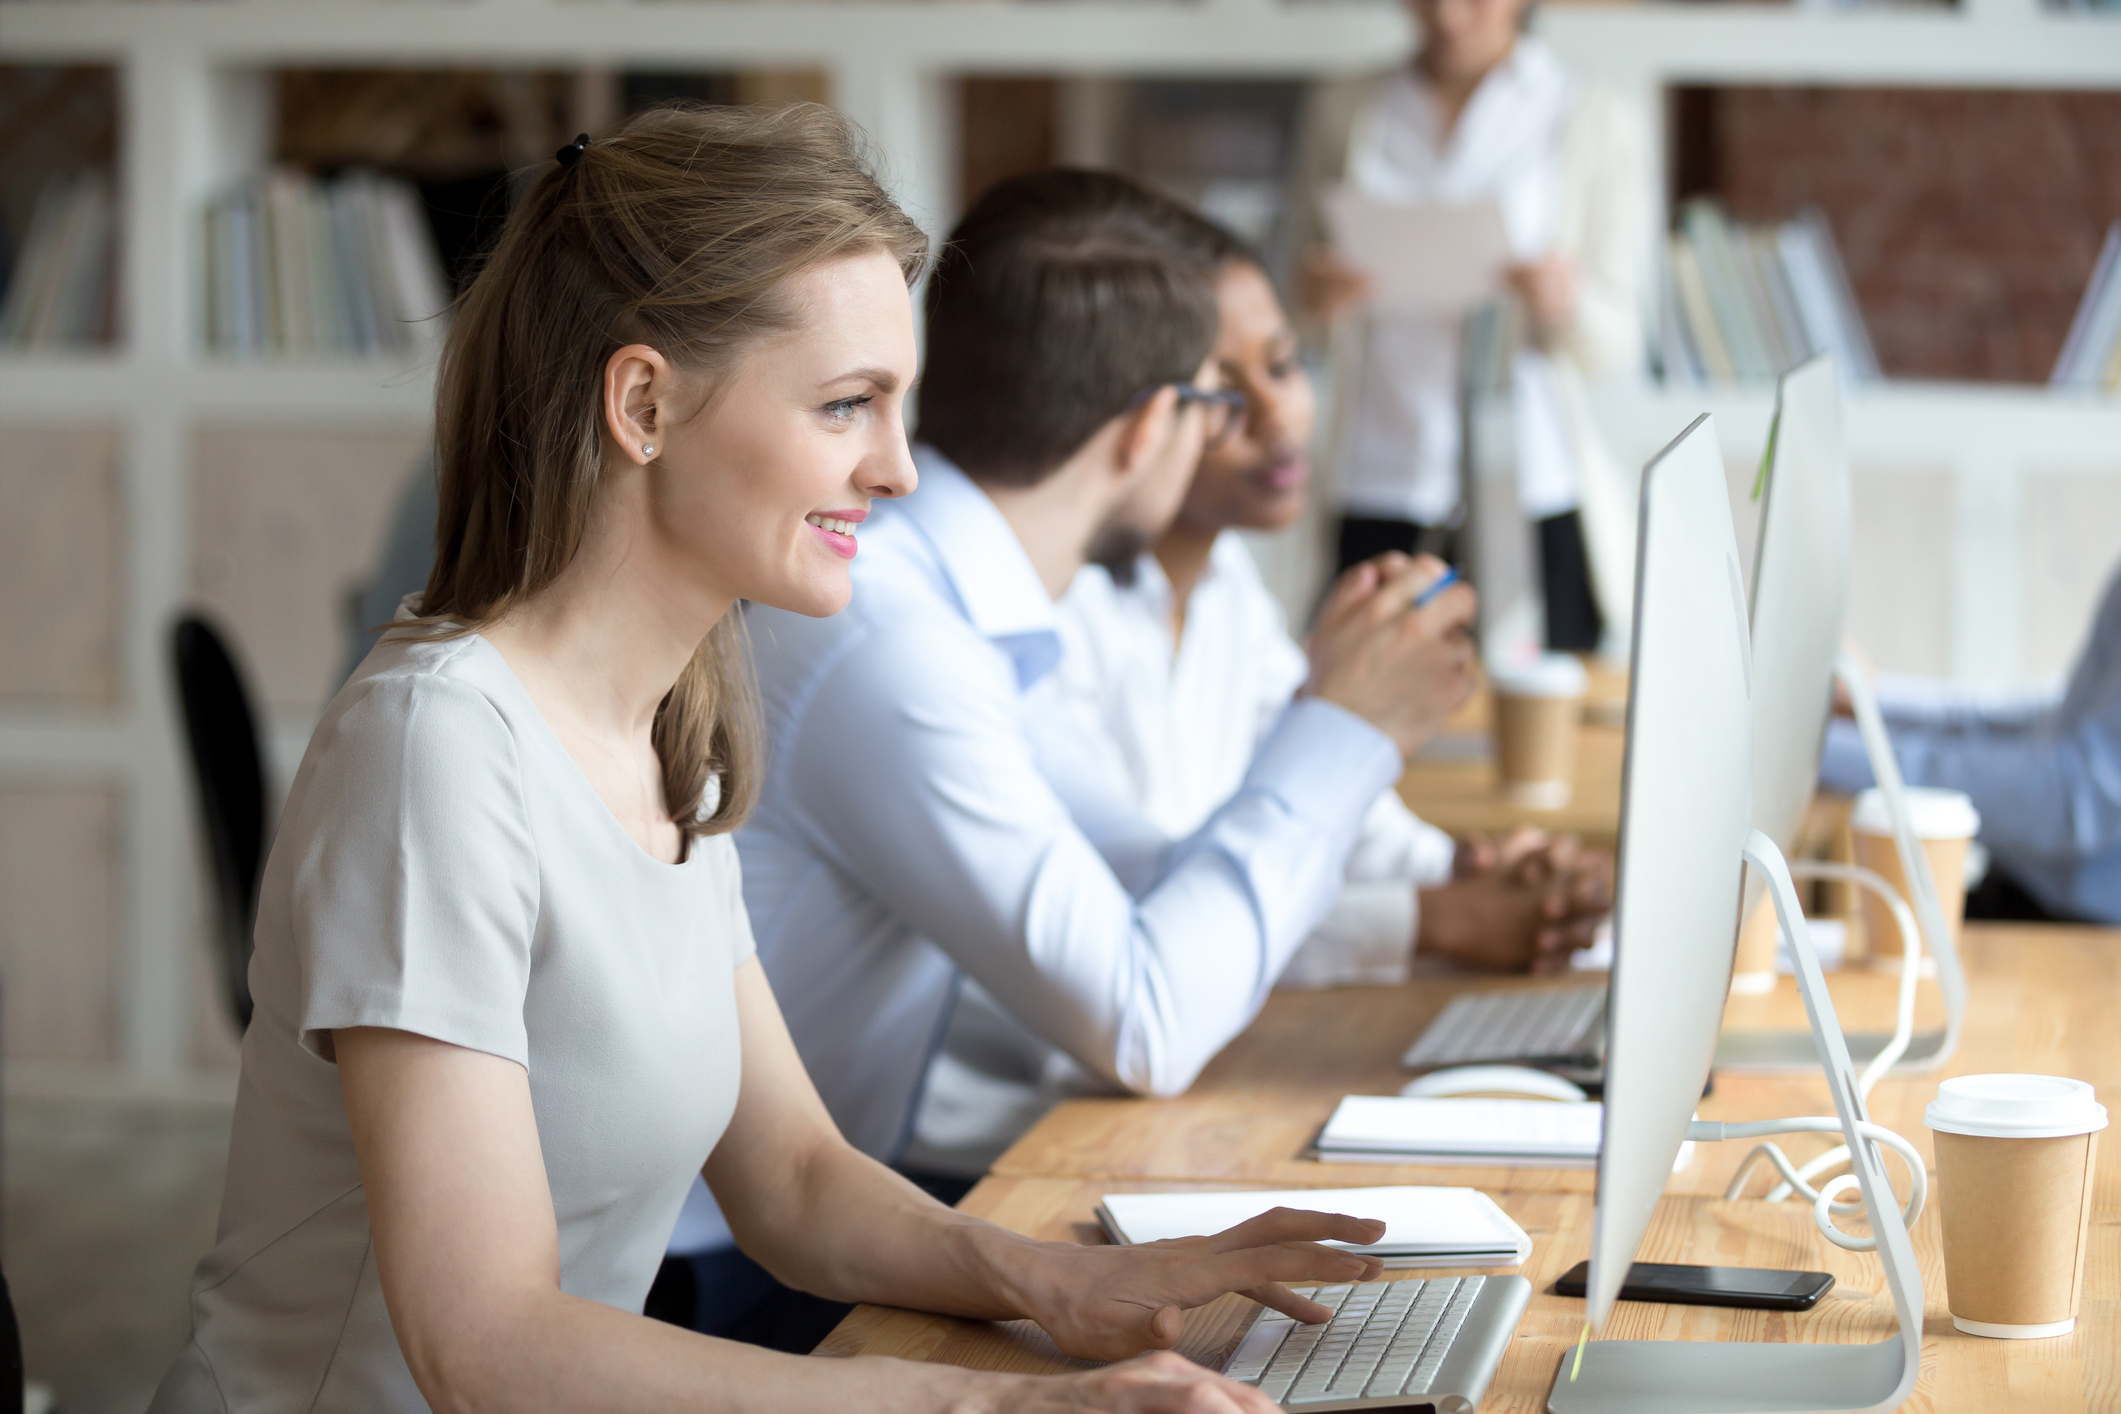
(443,867)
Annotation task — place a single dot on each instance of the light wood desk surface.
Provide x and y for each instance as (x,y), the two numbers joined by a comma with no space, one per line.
(1454,787)
(1462,797)
(2075,1374)
(2044,1000)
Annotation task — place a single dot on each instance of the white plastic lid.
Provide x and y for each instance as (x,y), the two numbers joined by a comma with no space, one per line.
(1548,675)
(2015,1107)
(1934,814)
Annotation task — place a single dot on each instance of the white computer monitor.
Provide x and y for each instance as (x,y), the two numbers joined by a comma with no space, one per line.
(1685,834)
(1685,812)
(1800,590)
(1798,604)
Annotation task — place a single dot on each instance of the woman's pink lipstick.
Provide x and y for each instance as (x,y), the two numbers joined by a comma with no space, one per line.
(837,530)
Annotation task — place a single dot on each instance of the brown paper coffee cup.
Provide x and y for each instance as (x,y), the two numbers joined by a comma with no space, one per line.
(1538,710)
(2015,1200)
(1945,823)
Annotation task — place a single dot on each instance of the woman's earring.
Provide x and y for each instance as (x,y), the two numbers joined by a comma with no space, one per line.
(648,449)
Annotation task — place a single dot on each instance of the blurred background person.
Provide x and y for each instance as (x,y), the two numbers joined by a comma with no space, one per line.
(2043,769)
(1485,112)
(1176,662)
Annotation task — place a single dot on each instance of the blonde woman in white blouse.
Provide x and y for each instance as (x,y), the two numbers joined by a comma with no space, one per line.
(1483,111)
(507,1003)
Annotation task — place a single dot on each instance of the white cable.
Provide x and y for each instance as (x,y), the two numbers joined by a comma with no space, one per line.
(1823,1205)
(1910,957)
(1903,1026)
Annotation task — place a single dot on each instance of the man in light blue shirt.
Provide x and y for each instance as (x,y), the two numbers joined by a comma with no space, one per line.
(906,837)
(2044,772)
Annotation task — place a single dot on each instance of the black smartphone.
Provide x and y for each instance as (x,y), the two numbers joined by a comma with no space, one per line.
(1710,1286)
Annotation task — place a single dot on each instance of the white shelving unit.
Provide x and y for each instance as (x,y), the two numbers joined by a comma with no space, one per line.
(195,115)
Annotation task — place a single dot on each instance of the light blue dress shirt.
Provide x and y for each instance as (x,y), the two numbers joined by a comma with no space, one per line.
(2045,775)
(906,835)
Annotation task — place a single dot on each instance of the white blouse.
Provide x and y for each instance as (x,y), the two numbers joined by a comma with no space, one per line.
(444,868)
(1401,459)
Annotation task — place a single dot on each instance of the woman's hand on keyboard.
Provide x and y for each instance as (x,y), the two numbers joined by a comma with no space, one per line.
(1153,1384)
(1107,1303)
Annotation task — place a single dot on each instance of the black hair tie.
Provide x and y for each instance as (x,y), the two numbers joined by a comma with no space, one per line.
(572,152)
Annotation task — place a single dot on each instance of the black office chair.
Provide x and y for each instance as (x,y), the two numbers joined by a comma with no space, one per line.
(228,768)
(11,1386)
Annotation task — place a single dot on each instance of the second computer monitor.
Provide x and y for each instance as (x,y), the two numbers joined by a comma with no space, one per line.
(1800,586)
(1685,812)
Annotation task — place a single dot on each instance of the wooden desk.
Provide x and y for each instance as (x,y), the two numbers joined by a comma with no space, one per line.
(2079,1372)
(2043,1002)
(1462,796)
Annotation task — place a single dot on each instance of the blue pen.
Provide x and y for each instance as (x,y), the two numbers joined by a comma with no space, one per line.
(1450,577)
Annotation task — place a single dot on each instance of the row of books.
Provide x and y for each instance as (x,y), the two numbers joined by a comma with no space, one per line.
(1745,304)
(296,265)
(60,291)
(2091,356)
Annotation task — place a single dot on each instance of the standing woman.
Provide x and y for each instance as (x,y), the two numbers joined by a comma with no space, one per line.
(506,999)
(1485,112)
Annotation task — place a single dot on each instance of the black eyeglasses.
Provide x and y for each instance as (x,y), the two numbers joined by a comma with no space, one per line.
(1224,407)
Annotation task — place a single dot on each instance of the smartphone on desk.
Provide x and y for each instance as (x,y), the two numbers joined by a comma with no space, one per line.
(1758,1287)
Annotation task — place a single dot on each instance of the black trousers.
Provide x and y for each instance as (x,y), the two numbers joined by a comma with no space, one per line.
(2002,898)
(1574,624)
(723,1292)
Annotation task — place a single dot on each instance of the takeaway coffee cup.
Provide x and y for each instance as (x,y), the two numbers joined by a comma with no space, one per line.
(1538,705)
(2014,1187)
(1945,823)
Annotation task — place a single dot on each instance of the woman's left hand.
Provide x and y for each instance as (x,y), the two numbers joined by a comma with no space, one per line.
(1108,1303)
(1548,288)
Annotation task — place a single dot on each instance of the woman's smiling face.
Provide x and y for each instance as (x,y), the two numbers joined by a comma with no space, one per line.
(763,488)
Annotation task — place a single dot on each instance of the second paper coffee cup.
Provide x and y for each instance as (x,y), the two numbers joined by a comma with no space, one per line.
(2014,1190)
(1538,707)
(1945,823)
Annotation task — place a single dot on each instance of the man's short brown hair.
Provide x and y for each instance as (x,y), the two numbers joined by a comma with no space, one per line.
(1060,298)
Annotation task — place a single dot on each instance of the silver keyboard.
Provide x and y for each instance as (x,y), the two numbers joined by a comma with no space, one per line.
(1390,1344)
(1563,1024)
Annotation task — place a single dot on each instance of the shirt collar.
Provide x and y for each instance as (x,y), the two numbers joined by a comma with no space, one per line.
(1152,586)
(997,588)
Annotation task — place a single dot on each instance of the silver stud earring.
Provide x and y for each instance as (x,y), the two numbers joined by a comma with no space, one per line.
(648,450)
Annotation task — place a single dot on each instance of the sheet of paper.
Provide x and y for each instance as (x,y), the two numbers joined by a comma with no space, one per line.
(1439,260)
(1433,1223)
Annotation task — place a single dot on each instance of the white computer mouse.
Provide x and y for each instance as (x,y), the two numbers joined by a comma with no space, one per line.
(1491,1080)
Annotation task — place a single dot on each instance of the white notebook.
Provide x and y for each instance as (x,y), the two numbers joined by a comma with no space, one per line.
(1424,1227)
(1393,1129)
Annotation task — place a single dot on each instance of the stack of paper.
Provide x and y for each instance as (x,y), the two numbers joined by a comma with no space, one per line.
(1433,260)
(1390,1129)
(1424,1227)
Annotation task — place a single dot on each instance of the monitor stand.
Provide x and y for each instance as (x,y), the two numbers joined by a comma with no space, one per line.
(1927,1050)
(1775,1377)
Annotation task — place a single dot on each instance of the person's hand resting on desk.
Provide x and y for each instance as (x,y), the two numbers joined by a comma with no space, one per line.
(1403,669)
(1524,904)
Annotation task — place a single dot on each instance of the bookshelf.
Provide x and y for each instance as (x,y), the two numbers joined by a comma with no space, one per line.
(193,91)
